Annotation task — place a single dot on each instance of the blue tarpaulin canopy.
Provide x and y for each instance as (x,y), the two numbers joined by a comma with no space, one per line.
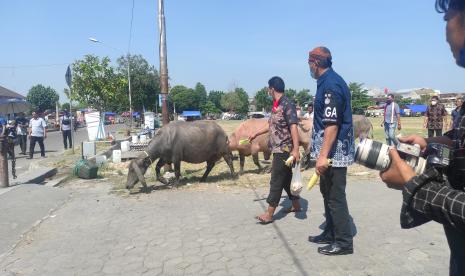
(191,114)
(415,108)
(110,113)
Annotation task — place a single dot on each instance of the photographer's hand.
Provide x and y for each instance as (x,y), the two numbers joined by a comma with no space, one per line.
(414,139)
(398,173)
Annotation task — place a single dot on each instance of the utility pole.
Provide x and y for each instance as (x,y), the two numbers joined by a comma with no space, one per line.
(163,62)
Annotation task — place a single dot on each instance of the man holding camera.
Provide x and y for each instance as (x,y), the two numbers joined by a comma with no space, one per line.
(333,144)
(434,195)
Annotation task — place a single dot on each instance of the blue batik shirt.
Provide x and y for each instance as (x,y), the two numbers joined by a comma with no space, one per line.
(332,106)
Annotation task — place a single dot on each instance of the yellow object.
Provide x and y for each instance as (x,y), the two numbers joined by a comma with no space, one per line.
(244,142)
(289,161)
(316,177)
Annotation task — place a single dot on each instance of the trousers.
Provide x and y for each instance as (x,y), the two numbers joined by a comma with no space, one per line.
(456,241)
(338,222)
(390,132)
(32,145)
(281,176)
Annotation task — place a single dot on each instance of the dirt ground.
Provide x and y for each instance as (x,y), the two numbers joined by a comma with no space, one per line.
(191,173)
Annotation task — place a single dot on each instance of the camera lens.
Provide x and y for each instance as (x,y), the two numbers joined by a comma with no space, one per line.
(373,154)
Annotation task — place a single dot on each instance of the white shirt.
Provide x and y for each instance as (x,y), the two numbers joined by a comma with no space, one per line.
(37,127)
(63,126)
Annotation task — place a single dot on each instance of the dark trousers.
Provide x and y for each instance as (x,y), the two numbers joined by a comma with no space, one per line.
(281,176)
(39,140)
(456,240)
(338,222)
(23,143)
(66,138)
(431,132)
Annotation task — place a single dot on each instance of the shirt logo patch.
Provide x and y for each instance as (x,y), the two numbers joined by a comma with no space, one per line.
(327,98)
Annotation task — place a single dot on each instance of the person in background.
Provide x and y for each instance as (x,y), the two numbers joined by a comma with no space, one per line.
(10,133)
(391,120)
(455,120)
(21,132)
(65,123)
(435,117)
(309,114)
(2,126)
(37,133)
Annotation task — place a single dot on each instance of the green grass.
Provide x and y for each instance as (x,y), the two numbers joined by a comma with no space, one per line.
(410,125)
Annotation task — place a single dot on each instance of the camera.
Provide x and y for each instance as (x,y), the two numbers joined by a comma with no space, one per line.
(375,155)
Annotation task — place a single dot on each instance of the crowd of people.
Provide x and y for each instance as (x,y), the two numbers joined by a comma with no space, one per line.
(432,195)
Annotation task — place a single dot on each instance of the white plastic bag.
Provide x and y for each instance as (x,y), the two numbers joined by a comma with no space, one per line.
(296,182)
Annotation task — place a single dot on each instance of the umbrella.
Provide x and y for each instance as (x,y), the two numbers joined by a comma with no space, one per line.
(11,106)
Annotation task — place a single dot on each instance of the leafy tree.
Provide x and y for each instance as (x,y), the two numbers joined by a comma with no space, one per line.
(145,83)
(210,108)
(360,98)
(96,84)
(262,101)
(215,98)
(65,106)
(303,97)
(424,99)
(401,101)
(184,98)
(237,101)
(42,98)
(202,94)
(290,94)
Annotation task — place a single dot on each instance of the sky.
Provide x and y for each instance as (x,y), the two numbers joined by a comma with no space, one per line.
(223,44)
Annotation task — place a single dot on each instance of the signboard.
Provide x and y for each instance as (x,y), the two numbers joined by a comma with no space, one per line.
(68,76)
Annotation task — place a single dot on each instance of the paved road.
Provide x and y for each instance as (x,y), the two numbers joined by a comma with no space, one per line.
(53,146)
(208,230)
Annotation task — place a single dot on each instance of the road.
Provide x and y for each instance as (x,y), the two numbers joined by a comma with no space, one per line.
(208,229)
(53,146)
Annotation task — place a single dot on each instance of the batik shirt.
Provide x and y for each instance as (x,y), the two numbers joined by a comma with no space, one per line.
(282,117)
(332,107)
(435,115)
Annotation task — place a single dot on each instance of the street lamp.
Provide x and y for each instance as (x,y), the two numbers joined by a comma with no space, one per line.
(92,39)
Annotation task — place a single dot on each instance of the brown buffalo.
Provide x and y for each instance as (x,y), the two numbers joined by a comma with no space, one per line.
(260,143)
(362,127)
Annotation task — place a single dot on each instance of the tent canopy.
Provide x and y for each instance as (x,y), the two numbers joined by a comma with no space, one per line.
(191,114)
(417,107)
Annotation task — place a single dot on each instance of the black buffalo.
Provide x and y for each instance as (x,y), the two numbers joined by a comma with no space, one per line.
(192,142)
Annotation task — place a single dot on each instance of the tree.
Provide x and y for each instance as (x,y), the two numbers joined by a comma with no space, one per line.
(303,97)
(201,93)
(360,98)
(262,101)
(65,106)
(42,98)
(96,84)
(145,83)
(215,98)
(290,94)
(210,108)
(184,98)
(404,101)
(236,101)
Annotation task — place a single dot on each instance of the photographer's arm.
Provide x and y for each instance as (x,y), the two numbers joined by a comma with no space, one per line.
(426,197)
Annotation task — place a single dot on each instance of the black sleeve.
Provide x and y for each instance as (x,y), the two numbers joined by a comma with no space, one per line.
(429,197)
